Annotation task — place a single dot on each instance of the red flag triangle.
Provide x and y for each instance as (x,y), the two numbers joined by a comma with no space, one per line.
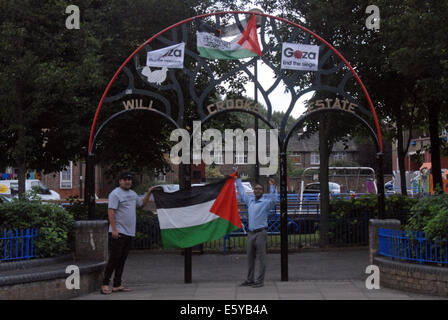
(225,204)
(249,37)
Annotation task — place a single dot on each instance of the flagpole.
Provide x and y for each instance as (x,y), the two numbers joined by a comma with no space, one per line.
(187,251)
(257,165)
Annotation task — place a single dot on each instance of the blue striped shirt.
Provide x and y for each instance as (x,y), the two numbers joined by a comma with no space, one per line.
(258,210)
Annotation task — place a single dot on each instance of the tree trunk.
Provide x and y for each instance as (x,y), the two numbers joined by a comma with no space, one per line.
(20,150)
(433,116)
(401,156)
(324,156)
(21,176)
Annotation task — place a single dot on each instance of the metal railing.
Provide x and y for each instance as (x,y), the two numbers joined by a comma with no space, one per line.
(412,246)
(18,244)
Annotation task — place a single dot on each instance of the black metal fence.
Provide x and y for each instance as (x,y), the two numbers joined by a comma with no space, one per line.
(349,229)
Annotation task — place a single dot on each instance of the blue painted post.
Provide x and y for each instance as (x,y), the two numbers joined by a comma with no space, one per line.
(10,243)
(21,242)
(27,244)
(32,242)
(420,243)
(5,244)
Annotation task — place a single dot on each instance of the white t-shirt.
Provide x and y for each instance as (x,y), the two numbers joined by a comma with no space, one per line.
(124,203)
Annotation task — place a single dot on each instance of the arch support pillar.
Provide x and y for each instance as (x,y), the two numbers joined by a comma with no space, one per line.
(380,185)
(283,215)
(89,188)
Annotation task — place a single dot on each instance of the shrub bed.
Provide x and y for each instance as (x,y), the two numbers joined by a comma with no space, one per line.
(55,224)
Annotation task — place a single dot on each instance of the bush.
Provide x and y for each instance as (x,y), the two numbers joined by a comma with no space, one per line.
(398,203)
(366,203)
(348,219)
(55,224)
(395,205)
(430,215)
(80,211)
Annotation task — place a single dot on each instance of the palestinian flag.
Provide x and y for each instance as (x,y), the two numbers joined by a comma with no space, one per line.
(190,217)
(211,46)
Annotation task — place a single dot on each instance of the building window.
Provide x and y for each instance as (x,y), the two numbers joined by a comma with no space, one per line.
(160,177)
(337,156)
(66,178)
(315,158)
(217,158)
(241,158)
(296,157)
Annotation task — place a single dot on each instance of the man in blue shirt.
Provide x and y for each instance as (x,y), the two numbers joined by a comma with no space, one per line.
(258,208)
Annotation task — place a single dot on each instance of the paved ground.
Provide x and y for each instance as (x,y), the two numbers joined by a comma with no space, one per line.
(312,276)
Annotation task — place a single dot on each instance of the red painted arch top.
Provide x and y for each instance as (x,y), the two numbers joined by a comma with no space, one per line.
(369,100)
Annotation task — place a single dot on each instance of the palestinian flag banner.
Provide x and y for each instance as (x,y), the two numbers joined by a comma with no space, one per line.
(244,45)
(204,213)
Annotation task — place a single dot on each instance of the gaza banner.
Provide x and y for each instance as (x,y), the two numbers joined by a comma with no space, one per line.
(297,56)
(169,57)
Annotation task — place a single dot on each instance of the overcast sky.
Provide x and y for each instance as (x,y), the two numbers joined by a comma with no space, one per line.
(279,99)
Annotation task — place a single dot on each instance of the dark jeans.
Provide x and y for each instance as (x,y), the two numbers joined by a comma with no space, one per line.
(119,249)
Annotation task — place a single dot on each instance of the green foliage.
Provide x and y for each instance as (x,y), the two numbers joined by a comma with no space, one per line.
(395,205)
(142,188)
(213,172)
(431,216)
(52,78)
(366,203)
(344,163)
(54,224)
(398,202)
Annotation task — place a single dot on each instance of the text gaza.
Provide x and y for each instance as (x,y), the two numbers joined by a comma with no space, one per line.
(245,309)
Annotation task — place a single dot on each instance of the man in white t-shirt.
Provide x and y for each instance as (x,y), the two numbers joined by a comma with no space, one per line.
(122,218)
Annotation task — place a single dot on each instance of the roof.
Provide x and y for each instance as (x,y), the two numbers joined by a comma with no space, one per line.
(311,144)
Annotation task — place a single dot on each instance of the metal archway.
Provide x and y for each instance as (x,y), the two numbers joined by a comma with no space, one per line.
(89,190)
(179,31)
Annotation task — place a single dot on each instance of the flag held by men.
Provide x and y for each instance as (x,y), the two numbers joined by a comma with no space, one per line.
(200,214)
(244,45)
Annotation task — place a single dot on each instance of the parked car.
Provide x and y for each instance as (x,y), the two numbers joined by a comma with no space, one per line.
(314,187)
(247,187)
(4,199)
(389,186)
(11,189)
(175,187)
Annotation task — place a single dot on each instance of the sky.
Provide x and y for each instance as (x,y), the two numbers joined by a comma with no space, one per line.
(279,99)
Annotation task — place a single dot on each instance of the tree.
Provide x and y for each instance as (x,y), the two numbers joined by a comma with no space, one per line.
(404,65)
(47,76)
(419,52)
(51,79)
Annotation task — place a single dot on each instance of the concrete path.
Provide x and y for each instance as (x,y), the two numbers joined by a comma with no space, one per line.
(312,276)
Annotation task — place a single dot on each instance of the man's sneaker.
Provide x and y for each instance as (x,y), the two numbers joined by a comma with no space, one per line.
(258,285)
(246,284)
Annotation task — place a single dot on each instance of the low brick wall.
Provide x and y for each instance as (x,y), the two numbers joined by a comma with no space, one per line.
(402,275)
(374,225)
(412,277)
(91,240)
(50,285)
(45,278)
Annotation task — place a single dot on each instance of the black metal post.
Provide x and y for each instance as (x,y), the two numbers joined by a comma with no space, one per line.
(283,216)
(80,179)
(187,251)
(257,164)
(380,186)
(89,187)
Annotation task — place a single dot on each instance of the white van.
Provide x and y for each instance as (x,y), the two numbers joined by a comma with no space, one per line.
(10,188)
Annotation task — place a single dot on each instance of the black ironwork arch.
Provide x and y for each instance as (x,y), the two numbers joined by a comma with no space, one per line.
(201,67)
